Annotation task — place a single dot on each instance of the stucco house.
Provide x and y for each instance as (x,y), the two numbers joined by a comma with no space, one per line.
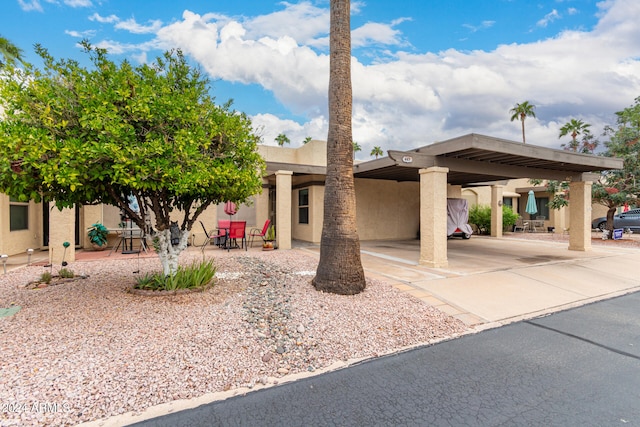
(397,197)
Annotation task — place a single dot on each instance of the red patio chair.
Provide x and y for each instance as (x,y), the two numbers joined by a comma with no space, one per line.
(237,230)
(219,236)
(256,232)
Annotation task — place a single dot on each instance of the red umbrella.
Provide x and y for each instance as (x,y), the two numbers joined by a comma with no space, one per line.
(230,208)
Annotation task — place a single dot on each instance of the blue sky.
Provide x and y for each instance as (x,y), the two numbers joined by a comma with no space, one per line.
(423,71)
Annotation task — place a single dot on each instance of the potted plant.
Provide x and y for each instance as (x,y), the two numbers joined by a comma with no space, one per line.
(98,236)
(269,239)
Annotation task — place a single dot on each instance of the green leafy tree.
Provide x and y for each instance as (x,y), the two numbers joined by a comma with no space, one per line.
(282,139)
(574,128)
(340,267)
(112,132)
(521,112)
(376,151)
(9,52)
(307,140)
(615,187)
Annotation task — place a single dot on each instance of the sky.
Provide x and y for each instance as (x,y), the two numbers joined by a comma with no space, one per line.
(423,70)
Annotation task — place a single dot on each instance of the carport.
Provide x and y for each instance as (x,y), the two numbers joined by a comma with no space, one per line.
(443,168)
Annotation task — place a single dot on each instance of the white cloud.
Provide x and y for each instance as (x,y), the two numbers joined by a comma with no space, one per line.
(104,19)
(133,27)
(410,98)
(78,3)
(483,25)
(548,18)
(81,34)
(29,5)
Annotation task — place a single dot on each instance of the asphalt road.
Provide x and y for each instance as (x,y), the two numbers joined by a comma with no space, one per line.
(580,367)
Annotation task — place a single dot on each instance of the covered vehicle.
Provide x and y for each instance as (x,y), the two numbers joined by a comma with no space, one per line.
(629,219)
(458,219)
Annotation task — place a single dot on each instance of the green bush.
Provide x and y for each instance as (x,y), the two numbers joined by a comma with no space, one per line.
(65,273)
(194,276)
(480,216)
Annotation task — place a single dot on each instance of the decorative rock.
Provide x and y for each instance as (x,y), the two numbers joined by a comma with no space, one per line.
(266,357)
(280,349)
(300,329)
(283,371)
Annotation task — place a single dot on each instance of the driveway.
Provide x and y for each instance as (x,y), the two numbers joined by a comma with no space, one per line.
(496,281)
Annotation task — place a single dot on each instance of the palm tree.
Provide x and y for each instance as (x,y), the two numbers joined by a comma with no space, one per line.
(306,140)
(376,151)
(282,139)
(574,128)
(356,148)
(340,267)
(9,52)
(522,111)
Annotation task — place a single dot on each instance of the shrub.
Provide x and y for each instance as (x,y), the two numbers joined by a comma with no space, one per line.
(46,277)
(194,276)
(480,216)
(65,273)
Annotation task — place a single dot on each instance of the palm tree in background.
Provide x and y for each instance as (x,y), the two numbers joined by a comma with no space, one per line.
(9,52)
(376,151)
(340,267)
(282,139)
(522,111)
(574,128)
(356,148)
(306,140)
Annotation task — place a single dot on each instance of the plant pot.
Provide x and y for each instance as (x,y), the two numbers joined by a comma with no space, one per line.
(268,248)
(98,247)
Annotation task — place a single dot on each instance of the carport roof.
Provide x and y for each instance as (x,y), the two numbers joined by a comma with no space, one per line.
(477,158)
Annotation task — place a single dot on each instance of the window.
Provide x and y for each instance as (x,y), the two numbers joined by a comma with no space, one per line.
(543,208)
(507,201)
(18,215)
(303,206)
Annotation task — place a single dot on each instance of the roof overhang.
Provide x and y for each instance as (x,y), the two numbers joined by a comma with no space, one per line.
(477,158)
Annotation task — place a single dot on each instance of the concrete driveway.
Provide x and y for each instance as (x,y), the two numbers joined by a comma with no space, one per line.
(496,281)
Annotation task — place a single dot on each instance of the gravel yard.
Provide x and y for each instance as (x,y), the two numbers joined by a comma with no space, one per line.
(88,349)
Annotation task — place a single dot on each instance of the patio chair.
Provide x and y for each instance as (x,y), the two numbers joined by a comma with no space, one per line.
(520,226)
(256,232)
(218,236)
(237,230)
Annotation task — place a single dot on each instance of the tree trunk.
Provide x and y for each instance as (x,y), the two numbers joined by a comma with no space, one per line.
(168,253)
(522,119)
(340,268)
(610,214)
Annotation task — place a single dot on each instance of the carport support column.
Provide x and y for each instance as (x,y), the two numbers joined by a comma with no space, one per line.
(580,216)
(496,210)
(283,209)
(433,217)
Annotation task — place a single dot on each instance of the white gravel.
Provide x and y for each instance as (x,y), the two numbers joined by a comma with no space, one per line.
(88,349)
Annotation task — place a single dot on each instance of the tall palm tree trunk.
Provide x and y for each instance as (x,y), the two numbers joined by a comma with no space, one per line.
(340,269)
(522,117)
